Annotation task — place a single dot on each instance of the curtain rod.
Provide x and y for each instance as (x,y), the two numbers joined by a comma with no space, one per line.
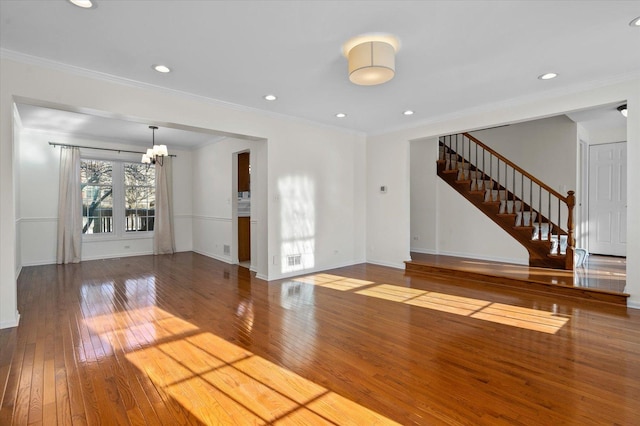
(100,149)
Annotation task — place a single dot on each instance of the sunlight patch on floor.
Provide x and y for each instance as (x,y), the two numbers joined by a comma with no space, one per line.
(515,316)
(218,381)
(335,282)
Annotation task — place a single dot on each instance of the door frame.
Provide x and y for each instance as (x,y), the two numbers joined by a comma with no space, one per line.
(234,209)
(587,219)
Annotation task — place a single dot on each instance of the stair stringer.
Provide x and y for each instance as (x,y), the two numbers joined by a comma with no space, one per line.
(539,250)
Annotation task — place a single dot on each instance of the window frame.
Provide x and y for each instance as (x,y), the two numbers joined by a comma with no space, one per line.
(119,231)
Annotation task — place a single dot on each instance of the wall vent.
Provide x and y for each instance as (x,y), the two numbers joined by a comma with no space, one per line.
(226,249)
(294,260)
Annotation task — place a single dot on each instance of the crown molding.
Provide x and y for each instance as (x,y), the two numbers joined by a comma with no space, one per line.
(98,75)
(514,102)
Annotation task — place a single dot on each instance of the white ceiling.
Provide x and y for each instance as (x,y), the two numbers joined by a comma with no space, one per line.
(454,55)
(89,126)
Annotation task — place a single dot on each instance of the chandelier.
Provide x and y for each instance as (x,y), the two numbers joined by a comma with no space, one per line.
(155,155)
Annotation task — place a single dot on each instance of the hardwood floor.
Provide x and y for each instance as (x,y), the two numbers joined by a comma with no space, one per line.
(601,278)
(185,339)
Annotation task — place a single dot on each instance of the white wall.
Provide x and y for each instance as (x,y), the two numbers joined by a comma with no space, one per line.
(424,194)
(446,223)
(17,131)
(388,214)
(316,200)
(9,315)
(546,148)
(300,155)
(465,231)
(607,136)
(213,197)
(38,177)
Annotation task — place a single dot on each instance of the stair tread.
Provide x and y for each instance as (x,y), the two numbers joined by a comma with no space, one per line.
(492,194)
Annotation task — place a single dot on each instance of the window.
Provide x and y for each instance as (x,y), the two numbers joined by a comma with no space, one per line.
(140,197)
(96,181)
(117,198)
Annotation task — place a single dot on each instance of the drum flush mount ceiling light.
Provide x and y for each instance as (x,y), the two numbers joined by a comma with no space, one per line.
(371,58)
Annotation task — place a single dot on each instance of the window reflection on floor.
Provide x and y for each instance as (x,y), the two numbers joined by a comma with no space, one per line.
(515,316)
(217,381)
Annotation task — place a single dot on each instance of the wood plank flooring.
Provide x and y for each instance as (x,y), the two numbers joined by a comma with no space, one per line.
(185,339)
(601,278)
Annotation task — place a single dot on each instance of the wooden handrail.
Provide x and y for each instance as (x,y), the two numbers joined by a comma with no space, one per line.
(504,163)
(519,169)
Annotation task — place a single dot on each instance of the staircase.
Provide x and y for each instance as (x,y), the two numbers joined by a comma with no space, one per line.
(537,216)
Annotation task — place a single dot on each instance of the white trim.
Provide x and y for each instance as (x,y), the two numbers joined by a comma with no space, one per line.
(423,251)
(388,264)
(37,219)
(474,256)
(633,305)
(212,218)
(510,104)
(225,259)
(39,263)
(116,256)
(110,236)
(12,323)
(84,72)
(18,271)
(183,216)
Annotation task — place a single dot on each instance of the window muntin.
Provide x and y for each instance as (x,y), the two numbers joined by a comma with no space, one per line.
(96,182)
(118,198)
(139,197)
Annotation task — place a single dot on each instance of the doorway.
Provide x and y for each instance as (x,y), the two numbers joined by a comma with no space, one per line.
(244,209)
(608,199)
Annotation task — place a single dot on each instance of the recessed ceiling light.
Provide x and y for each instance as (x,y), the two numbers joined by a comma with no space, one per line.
(635,22)
(85,4)
(408,112)
(162,68)
(341,115)
(623,110)
(270,97)
(547,76)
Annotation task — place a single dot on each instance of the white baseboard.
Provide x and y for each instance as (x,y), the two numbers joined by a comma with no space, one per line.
(481,257)
(633,305)
(88,258)
(115,256)
(388,264)
(39,263)
(225,259)
(11,323)
(423,251)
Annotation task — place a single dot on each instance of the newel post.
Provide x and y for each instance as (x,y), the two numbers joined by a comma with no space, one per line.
(571,202)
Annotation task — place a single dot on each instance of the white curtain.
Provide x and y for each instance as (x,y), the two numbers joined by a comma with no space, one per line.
(164,241)
(69,207)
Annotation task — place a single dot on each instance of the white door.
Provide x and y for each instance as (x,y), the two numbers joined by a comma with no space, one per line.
(608,199)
